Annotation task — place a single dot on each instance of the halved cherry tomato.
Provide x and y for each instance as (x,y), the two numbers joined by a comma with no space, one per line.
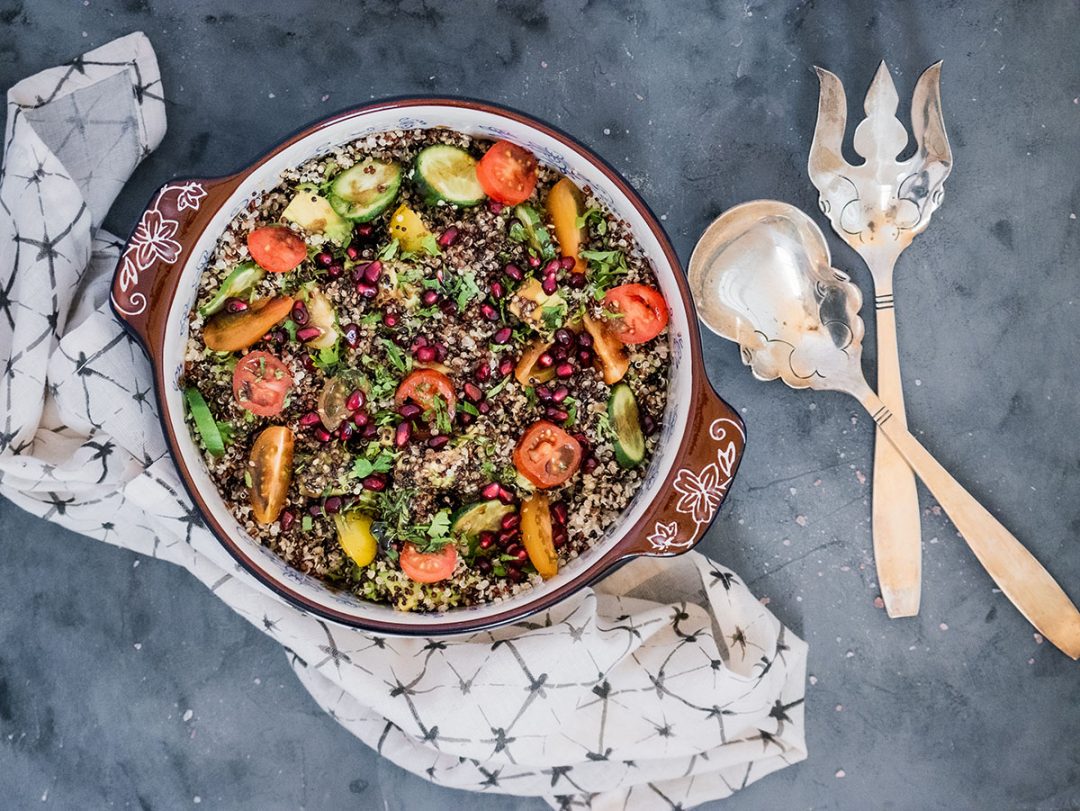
(546,455)
(422,386)
(270,466)
(610,351)
(228,332)
(428,567)
(507,173)
(260,383)
(537,535)
(644,312)
(276,248)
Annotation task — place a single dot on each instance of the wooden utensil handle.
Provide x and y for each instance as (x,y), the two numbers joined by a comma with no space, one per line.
(1021,577)
(897,528)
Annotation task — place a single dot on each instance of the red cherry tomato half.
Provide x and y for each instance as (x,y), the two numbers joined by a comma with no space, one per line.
(507,173)
(276,248)
(428,567)
(260,383)
(422,386)
(546,455)
(643,311)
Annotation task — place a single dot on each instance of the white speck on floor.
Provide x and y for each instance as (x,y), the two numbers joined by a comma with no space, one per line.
(800,520)
(138,646)
(813,679)
(188,715)
(944,626)
(1038,638)
(841,774)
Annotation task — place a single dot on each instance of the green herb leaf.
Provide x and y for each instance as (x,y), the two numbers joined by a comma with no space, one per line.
(389,251)
(431,245)
(494,390)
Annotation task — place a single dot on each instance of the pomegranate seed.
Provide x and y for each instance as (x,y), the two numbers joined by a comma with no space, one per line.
(585,357)
(409,410)
(488,542)
(235,305)
(278,336)
(552,267)
(425,354)
(559,513)
(506,366)
(494,206)
(418,342)
(502,336)
(310,418)
(323,259)
(402,435)
(355,401)
(576,280)
(345,431)
(363,230)
(514,272)
(428,297)
(489,312)
(505,496)
(448,237)
(522,555)
(466,418)
(351,334)
(648,425)
(483,372)
(564,336)
(322,434)
(590,464)
(438,441)
(315,510)
(358,271)
(497,290)
(308,333)
(300,314)
(545,360)
(332,504)
(559,537)
(368,291)
(374,483)
(335,270)
(352,253)
(390,319)
(582,440)
(510,521)
(441,352)
(535,261)
(567,262)
(556,414)
(513,549)
(564,370)
(373,272)
(448,306)
(371,430)
(560,394)
(309,364)
(560,352)
(473,393)
(543,393)
(361,419)
(549,285)
(490,491)
(483,406)
(584,340)
(483,564)
(286,520)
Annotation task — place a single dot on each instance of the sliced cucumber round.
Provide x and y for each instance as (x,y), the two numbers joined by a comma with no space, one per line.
(448,173)
(484,516)
(625,421)
(365,190)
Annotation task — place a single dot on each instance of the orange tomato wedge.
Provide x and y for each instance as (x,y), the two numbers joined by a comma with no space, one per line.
(270,466)
(537,535)
(230,332)
(564,205)
(610,351)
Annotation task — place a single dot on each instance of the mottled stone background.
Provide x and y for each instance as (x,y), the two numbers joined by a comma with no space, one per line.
(124,683)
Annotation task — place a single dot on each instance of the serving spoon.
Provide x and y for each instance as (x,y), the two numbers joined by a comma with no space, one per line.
(761,276)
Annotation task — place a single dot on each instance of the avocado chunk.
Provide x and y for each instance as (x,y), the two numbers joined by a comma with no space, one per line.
(313,212)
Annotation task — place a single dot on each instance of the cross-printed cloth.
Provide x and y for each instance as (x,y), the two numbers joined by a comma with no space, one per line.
(617,698)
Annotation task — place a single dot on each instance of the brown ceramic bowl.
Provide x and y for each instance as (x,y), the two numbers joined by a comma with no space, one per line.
(701,440)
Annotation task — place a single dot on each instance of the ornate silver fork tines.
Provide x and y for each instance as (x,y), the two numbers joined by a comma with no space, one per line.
(878,207)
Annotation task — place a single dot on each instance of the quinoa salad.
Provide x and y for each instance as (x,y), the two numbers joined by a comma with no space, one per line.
(427,369)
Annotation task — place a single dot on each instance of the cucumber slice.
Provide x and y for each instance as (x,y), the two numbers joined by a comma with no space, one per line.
(623,415)
(448,173)
(364,191)
(484,516)
(205,425)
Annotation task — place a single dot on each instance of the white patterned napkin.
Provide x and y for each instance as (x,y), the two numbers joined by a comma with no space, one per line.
(616,698)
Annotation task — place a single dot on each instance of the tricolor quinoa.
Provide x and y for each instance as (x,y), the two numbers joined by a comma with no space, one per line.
(424,418)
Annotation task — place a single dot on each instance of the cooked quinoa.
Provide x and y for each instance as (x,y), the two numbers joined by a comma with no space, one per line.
(412,474)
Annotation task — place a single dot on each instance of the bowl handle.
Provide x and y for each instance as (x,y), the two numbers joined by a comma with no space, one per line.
(695,489)
(148,270)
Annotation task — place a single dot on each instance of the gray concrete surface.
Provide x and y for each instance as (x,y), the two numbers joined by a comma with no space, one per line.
(702,105)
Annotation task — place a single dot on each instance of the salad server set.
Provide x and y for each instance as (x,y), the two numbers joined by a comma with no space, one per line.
(762,276)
